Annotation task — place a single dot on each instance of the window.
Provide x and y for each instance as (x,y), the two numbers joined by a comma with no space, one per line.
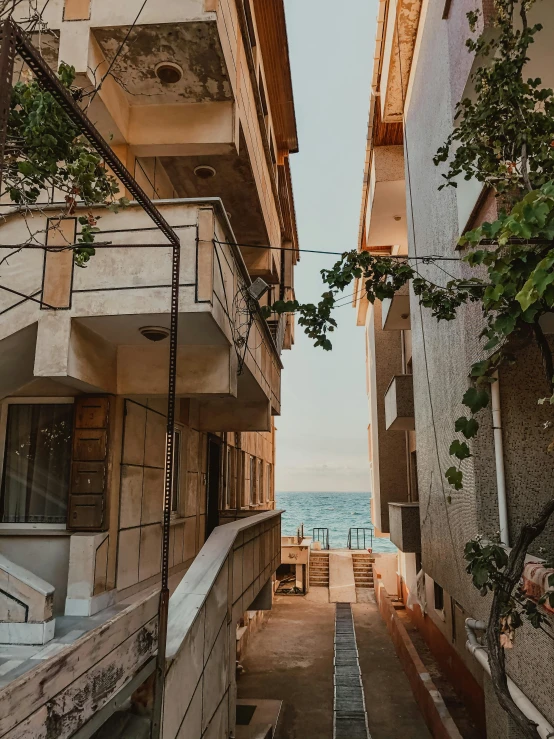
(269,483)
(176,482)
(252,480)
(250,23)
(260,481)
(414,489)
(37,463)
(228,477)
(439,597)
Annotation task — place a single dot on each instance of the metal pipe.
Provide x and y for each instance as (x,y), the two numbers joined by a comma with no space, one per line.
(163,610)
(544,728)
(499,462)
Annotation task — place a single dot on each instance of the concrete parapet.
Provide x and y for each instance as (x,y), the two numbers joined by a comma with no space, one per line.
(431,704)
(25,606)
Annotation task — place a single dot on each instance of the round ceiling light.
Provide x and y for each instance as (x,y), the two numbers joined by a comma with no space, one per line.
(204,172)
(154,333)
(168,73)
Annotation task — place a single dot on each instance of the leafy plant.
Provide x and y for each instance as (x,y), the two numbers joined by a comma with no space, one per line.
(505,139)
(45,153)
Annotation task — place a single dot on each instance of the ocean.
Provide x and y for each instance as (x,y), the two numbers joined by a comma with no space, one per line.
(336,511)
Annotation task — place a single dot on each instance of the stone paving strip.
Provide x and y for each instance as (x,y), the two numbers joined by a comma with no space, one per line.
(350,717)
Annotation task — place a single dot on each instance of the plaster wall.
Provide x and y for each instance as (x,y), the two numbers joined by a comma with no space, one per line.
(141,499)
(443,354)
(387,448)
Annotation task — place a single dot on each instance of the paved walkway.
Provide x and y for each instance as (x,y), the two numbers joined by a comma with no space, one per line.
(291,659)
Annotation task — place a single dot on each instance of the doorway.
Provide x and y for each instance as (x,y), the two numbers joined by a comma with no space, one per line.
(213,483)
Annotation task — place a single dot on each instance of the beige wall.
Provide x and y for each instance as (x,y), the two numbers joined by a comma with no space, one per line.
(142,489)
(387,448)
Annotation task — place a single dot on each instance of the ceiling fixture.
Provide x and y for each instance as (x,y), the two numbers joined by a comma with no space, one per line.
(397,218)
(204,171)
(168,72)
(154,333)
(404,316)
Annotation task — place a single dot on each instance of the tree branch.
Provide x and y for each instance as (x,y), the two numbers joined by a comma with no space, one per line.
(497,658)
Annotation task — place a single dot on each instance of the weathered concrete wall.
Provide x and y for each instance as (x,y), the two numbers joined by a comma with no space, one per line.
(443,354)
(239,559)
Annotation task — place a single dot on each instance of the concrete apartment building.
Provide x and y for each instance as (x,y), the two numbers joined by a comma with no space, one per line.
(199,108)
(417,369)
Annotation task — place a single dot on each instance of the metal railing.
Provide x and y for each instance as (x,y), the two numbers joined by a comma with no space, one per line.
(322,536)
(358,538)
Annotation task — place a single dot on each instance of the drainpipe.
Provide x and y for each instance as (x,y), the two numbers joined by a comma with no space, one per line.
(499,461)
(545,730)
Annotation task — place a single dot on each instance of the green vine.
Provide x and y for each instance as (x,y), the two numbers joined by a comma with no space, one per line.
(504,138)
(45,153)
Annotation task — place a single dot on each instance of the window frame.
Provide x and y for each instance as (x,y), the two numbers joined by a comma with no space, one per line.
(178,431)
(24,527)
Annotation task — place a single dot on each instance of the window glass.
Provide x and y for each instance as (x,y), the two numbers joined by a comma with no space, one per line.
(439,597)
(37,463)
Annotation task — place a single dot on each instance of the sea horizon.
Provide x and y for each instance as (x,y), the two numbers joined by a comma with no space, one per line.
(336,511)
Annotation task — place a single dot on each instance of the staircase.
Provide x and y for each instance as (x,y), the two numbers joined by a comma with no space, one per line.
(363,569)
(319,569)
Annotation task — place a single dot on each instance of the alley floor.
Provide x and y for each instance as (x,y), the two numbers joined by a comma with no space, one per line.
(291,659)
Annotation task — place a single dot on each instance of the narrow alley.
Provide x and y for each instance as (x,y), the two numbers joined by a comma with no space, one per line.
(291,658)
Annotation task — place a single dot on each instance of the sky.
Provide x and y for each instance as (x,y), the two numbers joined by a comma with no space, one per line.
(322,431)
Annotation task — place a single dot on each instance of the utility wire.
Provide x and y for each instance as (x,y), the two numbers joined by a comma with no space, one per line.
(406,257)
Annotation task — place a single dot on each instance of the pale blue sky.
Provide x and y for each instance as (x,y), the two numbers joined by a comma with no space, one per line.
(322,432)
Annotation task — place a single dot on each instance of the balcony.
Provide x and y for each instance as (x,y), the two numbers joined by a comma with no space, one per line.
(399,404)
(185,91)
(385,217)
(396,311)
(405,530)
(92,342)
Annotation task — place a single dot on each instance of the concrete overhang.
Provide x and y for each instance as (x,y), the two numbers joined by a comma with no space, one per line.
(399,404)
(397,53)
(396,311)
(405,529)
(94,343)
(385,220)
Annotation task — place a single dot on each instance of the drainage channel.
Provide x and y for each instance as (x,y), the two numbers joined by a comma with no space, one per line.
(350,717)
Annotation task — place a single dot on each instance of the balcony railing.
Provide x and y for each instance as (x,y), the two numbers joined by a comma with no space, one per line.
(84,683)
(127,285)
(233,569)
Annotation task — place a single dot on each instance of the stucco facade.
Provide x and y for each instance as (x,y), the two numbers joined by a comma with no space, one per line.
(441,356)
(196,101)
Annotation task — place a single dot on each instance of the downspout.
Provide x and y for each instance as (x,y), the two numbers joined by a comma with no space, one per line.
(499,462)
(545,730)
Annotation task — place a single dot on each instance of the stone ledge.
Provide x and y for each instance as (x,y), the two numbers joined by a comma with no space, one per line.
(436,714)
(89,606)
(14,633)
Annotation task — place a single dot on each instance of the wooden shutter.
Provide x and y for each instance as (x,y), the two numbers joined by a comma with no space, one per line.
(87,510)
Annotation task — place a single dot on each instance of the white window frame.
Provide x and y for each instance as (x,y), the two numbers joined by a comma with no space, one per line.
(4,408)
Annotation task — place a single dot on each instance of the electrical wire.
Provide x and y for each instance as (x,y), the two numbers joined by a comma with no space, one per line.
(430,258)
